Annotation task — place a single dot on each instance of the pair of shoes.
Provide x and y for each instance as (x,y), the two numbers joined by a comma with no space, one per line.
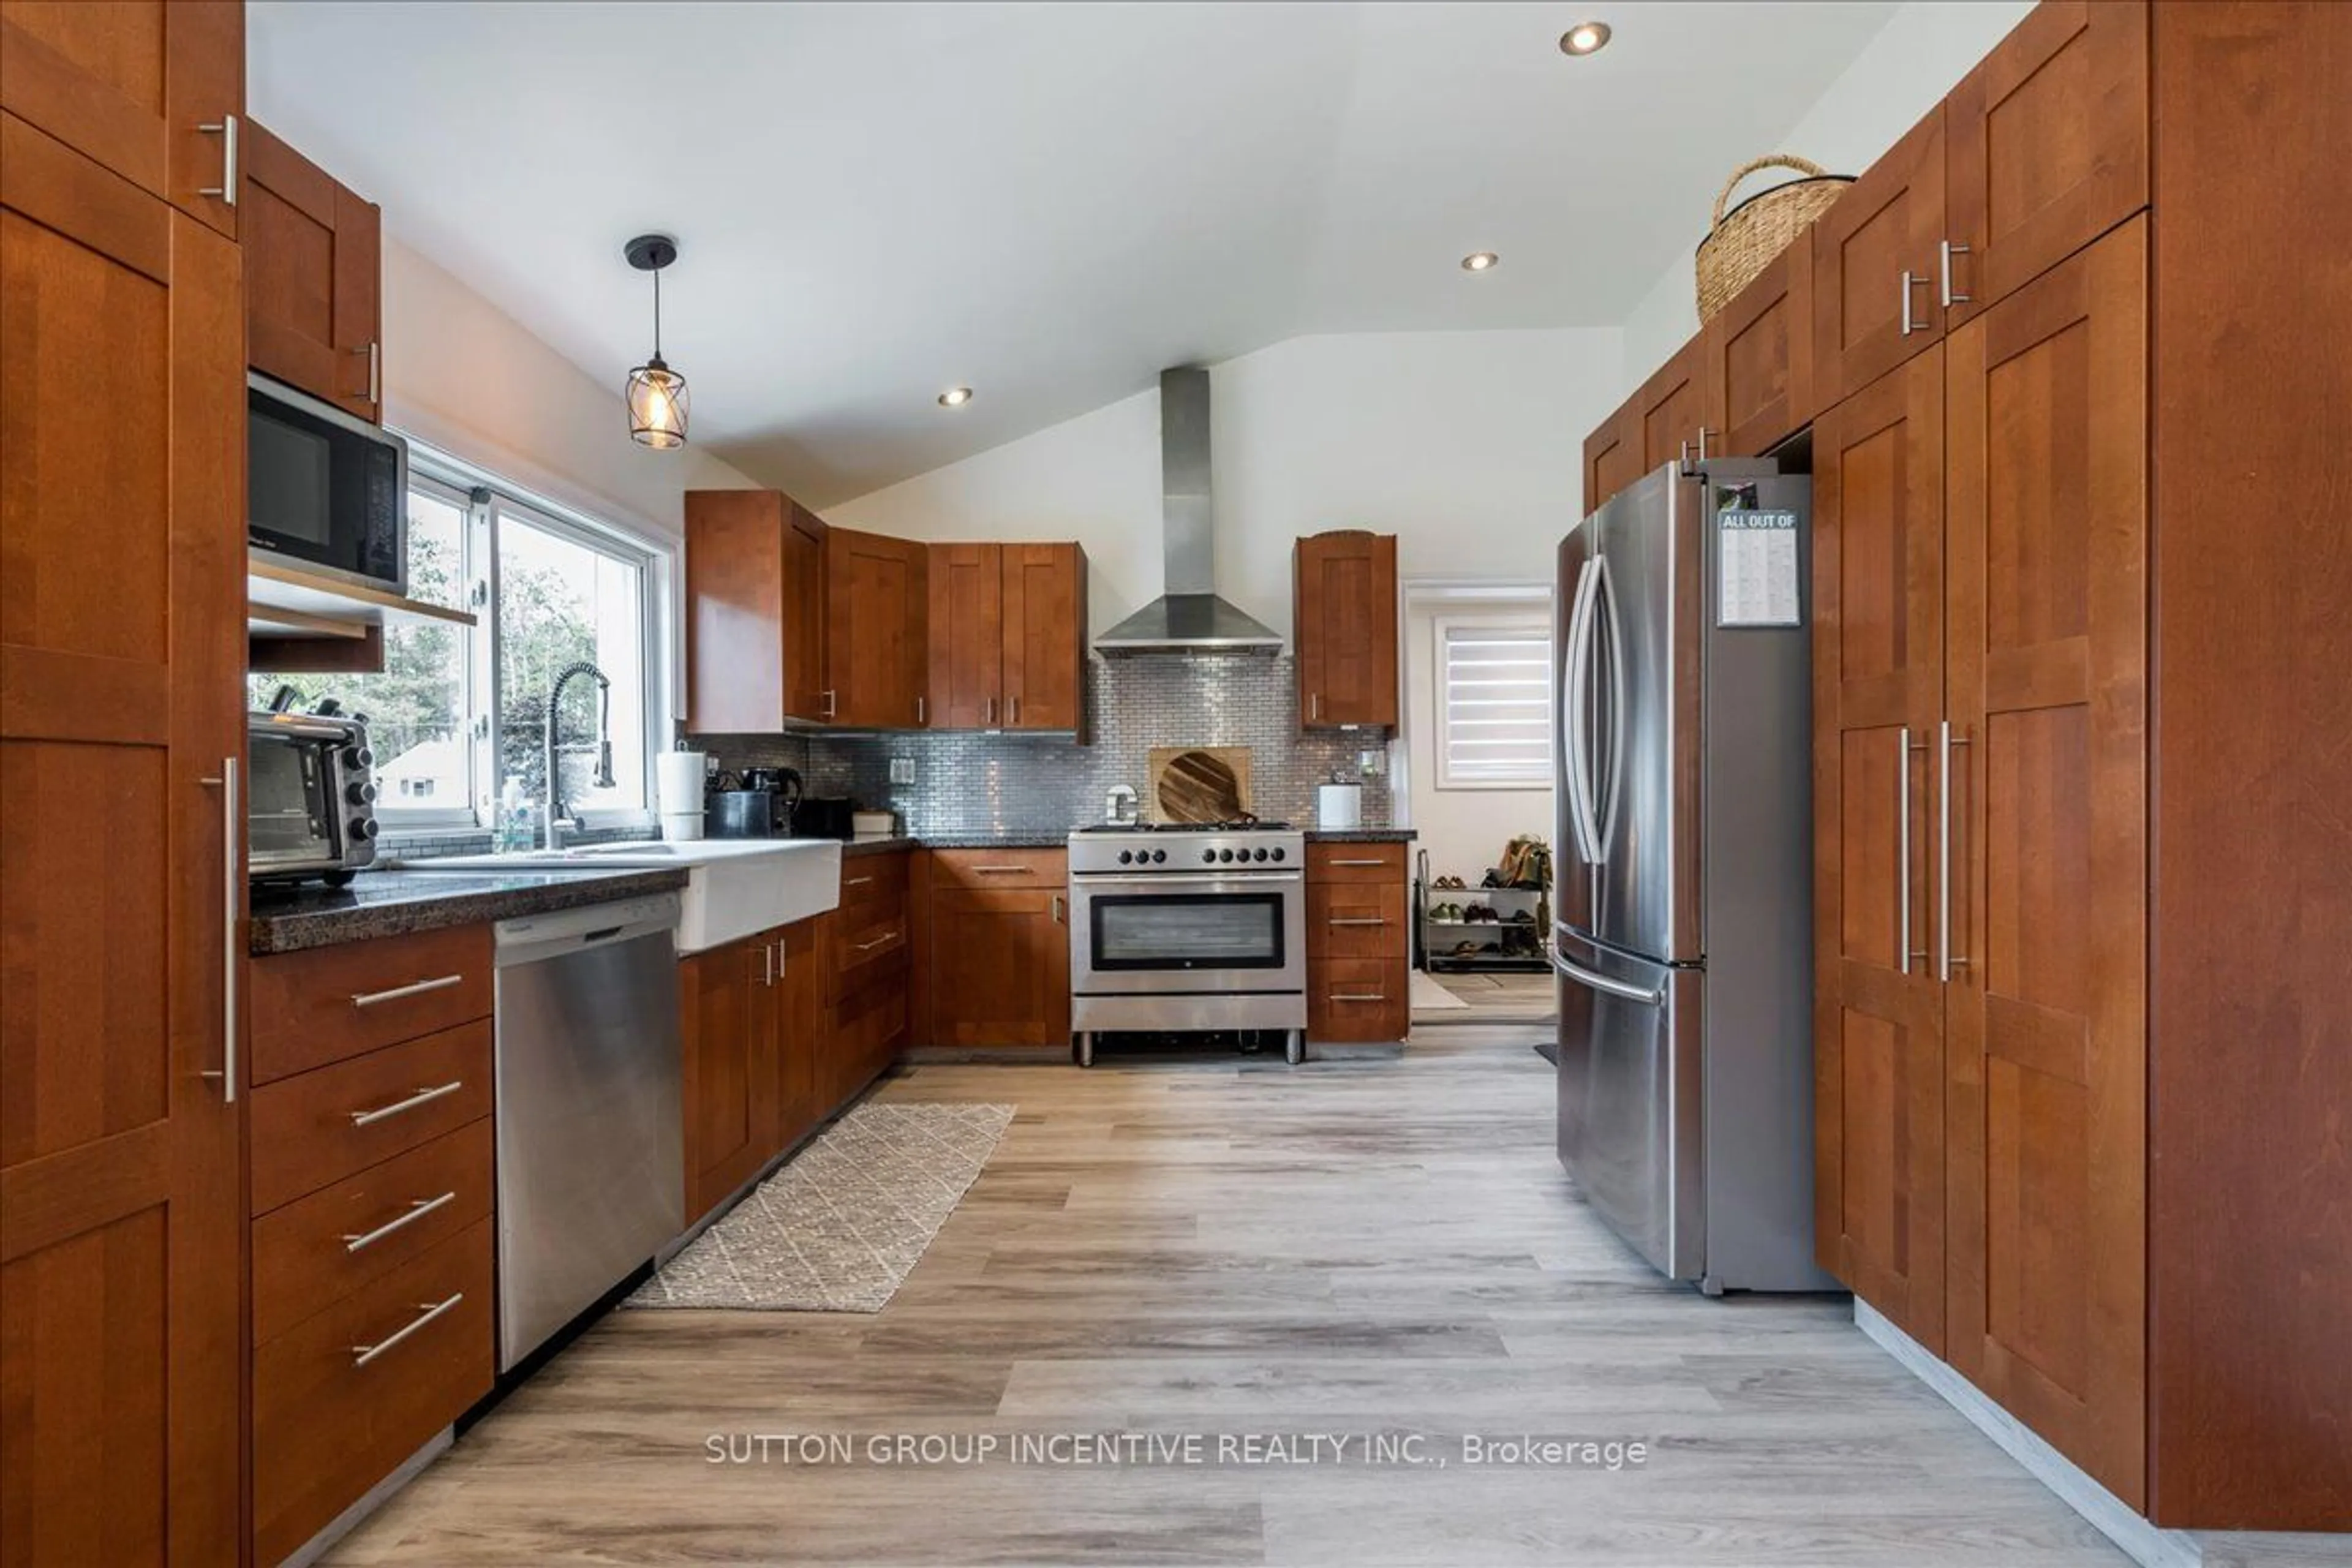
(1477,913)
(1447,882)
(1449,912)
(1494,879)
(1467,948)
(1522,918)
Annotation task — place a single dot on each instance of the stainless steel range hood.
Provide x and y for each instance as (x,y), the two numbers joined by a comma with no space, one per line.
(1189,618)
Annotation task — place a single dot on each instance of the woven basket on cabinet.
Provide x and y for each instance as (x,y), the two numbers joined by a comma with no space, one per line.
(1742,242)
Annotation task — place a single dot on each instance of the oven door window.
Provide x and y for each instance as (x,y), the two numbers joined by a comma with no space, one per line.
(289,820)
(1187,930)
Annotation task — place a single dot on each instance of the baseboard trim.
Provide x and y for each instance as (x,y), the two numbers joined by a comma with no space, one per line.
(376,1496)
(2148,1544)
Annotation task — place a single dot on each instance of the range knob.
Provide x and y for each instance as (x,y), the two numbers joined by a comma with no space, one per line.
(362,828)
(1159,857)
(1126,856)
(1261,854)
(359,757)
(1208,856)
(1280,855)
(1226,855)
(359,792)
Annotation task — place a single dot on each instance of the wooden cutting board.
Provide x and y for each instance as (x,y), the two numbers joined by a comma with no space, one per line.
(1200,783)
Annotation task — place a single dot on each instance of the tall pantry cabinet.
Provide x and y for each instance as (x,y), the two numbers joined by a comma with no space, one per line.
(2081,1077)
(121,729)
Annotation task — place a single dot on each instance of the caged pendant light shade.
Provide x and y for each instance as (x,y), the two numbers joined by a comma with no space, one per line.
(657,394)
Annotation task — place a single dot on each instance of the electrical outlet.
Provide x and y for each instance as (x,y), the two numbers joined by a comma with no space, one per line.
(902,770)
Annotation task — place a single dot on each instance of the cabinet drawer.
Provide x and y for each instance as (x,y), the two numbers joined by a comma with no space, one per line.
(1358,999)
(341,1399)
(1049,869)
(866,945)
(869,1026)
(315,1129)
(314,1252)
(1355,863)
(1357,920)
(869,879)
(330,1003)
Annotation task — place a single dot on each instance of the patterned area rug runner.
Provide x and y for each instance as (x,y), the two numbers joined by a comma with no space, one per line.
(838,1228)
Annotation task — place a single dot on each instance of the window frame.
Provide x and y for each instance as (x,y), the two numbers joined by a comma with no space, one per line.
(1529,620)
(487,499)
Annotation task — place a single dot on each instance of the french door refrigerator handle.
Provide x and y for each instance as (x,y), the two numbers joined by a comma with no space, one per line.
(1575,717)
(1605,985)
(1605,807)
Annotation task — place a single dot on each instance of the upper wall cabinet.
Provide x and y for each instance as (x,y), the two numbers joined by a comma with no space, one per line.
(1757,367)
(1666,419)
(1344,589)
(314,252)
(1875,265)
(153,90)
(1007,635)
(2045,147)
(875,608)
(755,612)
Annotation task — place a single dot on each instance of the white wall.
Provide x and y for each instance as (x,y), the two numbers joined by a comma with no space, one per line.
(1918,57)
(1463,830)
(464,375)
(1463,445)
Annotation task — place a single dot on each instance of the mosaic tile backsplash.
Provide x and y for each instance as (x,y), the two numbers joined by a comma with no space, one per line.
(981,784)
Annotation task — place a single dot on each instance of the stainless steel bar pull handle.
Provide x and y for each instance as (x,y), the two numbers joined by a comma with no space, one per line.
(1372,862)
(856,881)
(768,963)
(920,716)
(422,1097)
(226,129)
(426,1313)
(402,993)
(1061,912)
(1358,996)
(374,352)
(1946,252)
(830,706)
(1946,960)
(882,940)
(1910,281)
(232,907)
(1000,871)
(417,1209)
(1013,705)
(1358,920)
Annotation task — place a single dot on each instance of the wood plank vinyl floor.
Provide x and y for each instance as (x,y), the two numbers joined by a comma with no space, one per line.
(1227,1245)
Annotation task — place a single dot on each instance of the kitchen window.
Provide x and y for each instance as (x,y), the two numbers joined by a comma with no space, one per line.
(1494,702)
(454,714)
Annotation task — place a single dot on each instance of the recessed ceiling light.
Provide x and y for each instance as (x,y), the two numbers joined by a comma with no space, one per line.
(1481,262)
(955,397)
(1584,38)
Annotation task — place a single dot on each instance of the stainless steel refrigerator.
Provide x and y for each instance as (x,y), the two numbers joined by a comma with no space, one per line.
(1682,921)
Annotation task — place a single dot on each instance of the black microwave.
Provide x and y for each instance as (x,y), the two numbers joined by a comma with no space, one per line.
(325,490)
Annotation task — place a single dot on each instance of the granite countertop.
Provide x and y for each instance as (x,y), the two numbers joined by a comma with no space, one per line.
(878,843)
(393,903)
(1360,835)
(1037,839)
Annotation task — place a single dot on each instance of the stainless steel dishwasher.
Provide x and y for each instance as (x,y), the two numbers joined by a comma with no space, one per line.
(591,1178)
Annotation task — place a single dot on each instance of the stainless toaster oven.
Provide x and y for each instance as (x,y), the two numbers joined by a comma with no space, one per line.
(310,796)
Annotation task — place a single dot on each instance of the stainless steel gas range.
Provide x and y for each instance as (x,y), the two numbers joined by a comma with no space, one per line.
(1188,926)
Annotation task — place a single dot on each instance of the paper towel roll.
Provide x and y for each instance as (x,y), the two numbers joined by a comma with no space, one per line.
(1340,808)
(677,780)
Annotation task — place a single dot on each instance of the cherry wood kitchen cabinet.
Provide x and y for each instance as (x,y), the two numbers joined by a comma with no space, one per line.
(2043,783)
(150,90)
(874,992)
(727,1024)
(1358,963)
(121,747)
(1665,419)
(1878,696)
(877,604)
(371,1323)
(998,938)
(1877,254)
(755,587)
(2046,148)
(1756,366)
(1008,637)
(1344,603)
(313,263)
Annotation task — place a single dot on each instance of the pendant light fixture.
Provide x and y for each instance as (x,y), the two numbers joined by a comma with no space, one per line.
(656,394)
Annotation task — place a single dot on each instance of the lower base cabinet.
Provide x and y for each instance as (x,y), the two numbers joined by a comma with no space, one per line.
(781,1029)
(373,1190)
(998,935)
(1359,950)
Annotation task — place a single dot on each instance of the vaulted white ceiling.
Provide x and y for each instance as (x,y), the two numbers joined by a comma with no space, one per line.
(1047,202)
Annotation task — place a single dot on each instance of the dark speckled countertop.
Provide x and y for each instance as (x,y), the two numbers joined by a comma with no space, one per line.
(393,903)
(1360,835)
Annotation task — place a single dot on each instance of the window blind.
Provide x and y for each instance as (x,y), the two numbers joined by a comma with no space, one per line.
(1495,702)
